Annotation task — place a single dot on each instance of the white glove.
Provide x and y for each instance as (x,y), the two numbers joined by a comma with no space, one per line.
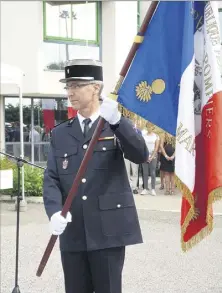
(109,111)
(58,223)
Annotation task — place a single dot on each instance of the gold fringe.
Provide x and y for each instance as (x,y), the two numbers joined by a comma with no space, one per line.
(185,191)
(143,123)
(190,216)
(118,85)
(214,195)
(196,239)
(138,39)
(189,197)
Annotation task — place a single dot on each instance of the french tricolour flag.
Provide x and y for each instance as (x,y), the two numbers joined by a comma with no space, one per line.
(199,126)
(174,82)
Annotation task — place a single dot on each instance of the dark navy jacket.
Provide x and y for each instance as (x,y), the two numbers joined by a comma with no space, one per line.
(103,212)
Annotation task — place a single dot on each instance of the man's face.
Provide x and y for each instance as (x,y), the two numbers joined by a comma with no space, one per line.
(81,94)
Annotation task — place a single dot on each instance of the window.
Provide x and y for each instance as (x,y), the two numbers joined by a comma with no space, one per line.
(55,55)
(138,15)
(220,19)
(72,22)
(39,115)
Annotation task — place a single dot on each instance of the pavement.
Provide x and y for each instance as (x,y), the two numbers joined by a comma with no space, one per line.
(156,266)
(164,203)
(144,203)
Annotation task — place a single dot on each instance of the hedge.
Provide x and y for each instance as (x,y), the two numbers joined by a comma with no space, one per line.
(33,178)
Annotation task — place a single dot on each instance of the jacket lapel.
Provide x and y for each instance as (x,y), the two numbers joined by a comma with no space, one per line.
(75,129)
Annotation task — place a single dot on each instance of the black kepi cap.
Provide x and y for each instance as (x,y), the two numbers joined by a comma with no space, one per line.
(83,69)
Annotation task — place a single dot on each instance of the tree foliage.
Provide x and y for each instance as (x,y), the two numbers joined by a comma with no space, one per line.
(12,114)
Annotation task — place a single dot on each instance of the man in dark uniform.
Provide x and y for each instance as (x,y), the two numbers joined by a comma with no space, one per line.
(103,217)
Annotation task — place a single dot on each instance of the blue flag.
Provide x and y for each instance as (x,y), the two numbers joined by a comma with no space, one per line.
(152,85)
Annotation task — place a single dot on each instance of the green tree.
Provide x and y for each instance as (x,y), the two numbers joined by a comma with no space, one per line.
(12,114)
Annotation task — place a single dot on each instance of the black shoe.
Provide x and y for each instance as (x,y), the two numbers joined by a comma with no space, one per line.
(135,191)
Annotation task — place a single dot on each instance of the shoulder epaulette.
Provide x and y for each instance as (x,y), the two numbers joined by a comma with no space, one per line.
(70,120)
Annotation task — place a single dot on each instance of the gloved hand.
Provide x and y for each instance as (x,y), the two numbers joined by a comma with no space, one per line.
(58,223)
(109,111)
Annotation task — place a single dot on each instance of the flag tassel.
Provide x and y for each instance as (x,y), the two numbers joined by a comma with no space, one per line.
(213,197)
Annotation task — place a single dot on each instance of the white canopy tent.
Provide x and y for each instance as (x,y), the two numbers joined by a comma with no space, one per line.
(13,76)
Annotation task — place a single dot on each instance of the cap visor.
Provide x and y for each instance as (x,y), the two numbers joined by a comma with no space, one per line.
(64,80)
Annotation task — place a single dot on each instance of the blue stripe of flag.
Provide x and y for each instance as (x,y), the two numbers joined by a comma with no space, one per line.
(166,52)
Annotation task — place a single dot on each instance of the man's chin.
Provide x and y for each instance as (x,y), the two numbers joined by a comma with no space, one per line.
(75,107)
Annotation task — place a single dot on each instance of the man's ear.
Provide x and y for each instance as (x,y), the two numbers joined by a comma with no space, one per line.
(97,89)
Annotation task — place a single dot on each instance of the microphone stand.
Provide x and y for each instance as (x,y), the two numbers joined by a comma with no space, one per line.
(20,163)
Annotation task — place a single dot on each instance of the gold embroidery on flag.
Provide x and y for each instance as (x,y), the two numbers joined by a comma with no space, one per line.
(144,91)
(196,210)
(215,195)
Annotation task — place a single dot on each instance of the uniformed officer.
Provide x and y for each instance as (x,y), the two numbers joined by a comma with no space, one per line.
(103,217)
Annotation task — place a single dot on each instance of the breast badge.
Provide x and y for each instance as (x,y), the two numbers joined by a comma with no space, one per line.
(65,162)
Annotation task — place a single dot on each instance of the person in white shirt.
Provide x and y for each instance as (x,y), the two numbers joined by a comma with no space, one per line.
(152,142)
(36,141)
(36,135)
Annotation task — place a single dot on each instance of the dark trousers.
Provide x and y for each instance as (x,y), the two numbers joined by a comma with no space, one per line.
(140,172)
(97,271)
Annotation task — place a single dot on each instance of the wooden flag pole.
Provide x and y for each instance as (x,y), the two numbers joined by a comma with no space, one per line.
(95,137)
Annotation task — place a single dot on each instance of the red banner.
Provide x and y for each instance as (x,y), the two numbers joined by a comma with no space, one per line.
(197,216)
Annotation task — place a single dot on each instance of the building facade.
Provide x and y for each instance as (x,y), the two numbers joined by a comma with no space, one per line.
(38,37)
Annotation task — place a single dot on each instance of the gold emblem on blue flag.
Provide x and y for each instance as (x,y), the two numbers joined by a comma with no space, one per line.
(144,91)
